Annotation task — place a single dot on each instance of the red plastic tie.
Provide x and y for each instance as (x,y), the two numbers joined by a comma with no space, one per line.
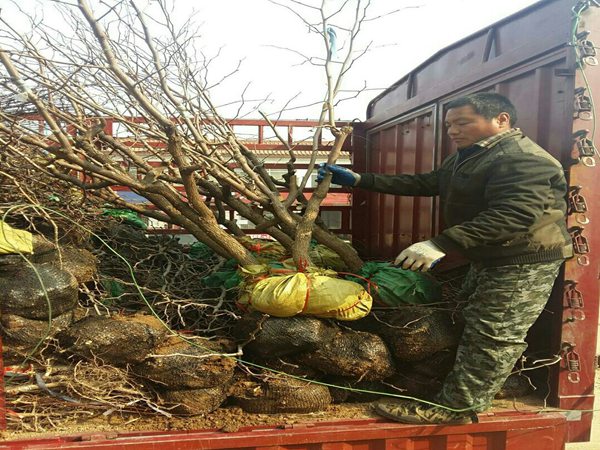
(367,280)
(307,294)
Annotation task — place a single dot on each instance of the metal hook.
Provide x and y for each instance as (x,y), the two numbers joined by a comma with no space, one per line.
(573,377)
(588,161)
(583,260)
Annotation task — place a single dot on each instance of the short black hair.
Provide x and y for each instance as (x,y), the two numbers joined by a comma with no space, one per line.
(487,104)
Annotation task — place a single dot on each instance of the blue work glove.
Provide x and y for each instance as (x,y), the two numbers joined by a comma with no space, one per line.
(340,175)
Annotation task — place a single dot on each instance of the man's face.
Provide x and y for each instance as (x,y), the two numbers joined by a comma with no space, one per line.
(465,127)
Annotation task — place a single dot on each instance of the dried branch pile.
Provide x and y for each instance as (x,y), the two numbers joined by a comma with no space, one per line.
(68,93)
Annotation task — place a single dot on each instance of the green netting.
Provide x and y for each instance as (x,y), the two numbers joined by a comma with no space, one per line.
(395,286)
(227,277)
(199,250)
(113,287)
(126,215)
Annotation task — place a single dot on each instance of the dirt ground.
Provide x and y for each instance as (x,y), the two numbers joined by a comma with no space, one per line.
(228,419)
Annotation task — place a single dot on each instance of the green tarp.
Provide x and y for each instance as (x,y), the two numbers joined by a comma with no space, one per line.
(395,286)
(127,216)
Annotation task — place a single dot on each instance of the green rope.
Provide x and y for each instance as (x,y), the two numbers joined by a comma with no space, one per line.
(29,355)
(195,344)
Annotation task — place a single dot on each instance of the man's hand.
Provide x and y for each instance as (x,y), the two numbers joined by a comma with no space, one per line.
(420,256)
(340,175)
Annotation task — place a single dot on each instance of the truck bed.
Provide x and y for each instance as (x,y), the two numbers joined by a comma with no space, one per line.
(506,426)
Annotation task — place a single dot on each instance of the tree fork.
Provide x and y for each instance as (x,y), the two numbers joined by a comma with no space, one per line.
(208,219)
(305,226)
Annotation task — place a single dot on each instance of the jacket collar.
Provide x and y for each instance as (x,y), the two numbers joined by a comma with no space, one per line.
(489,142)
(478,148)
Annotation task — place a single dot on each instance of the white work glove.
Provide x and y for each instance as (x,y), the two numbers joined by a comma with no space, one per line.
(420,256)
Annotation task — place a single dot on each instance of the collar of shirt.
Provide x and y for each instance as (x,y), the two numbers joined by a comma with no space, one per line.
(486,143)
(493,140)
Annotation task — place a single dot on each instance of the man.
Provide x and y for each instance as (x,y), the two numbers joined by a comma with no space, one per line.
(503,203)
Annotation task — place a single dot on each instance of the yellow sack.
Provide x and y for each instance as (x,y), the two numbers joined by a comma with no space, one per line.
(337,299)
(316,293)
(13,240)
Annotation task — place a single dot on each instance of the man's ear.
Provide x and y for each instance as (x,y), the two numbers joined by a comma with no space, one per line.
(503,120)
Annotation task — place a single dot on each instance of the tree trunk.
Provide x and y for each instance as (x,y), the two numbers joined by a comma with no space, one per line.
(304,230)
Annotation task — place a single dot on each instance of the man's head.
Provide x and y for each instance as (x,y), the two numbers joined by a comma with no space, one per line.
(474,117)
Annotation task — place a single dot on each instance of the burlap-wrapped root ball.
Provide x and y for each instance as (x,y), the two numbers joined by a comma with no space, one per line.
(423,379)
(78,262)
(177,364)
(194,401)
(515,386)
(36,291)
(437,365)
(416,333)
(284,364)
(352,390)
(413,384)
(282,395)
(20,331)
(271,337)
(351,354)
(116,340)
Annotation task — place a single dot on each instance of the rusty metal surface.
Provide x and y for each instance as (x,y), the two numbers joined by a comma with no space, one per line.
(531,61)
(404,146)
(580,311)
(531,32)
(516,432)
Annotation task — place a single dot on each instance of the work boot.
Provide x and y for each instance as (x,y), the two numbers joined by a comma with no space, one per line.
(413,412)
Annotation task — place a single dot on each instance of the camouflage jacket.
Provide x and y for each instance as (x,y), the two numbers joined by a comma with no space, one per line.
(504,203)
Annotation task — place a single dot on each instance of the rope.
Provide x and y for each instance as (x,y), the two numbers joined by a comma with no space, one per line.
(580,65)
(39,277)
(195,344)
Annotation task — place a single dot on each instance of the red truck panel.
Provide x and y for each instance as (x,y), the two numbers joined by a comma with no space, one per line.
(404,146)
(531,431)
(529,58)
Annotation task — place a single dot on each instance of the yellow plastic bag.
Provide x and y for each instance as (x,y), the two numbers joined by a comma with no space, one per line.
(337,299)
(13,240)
(317,293)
